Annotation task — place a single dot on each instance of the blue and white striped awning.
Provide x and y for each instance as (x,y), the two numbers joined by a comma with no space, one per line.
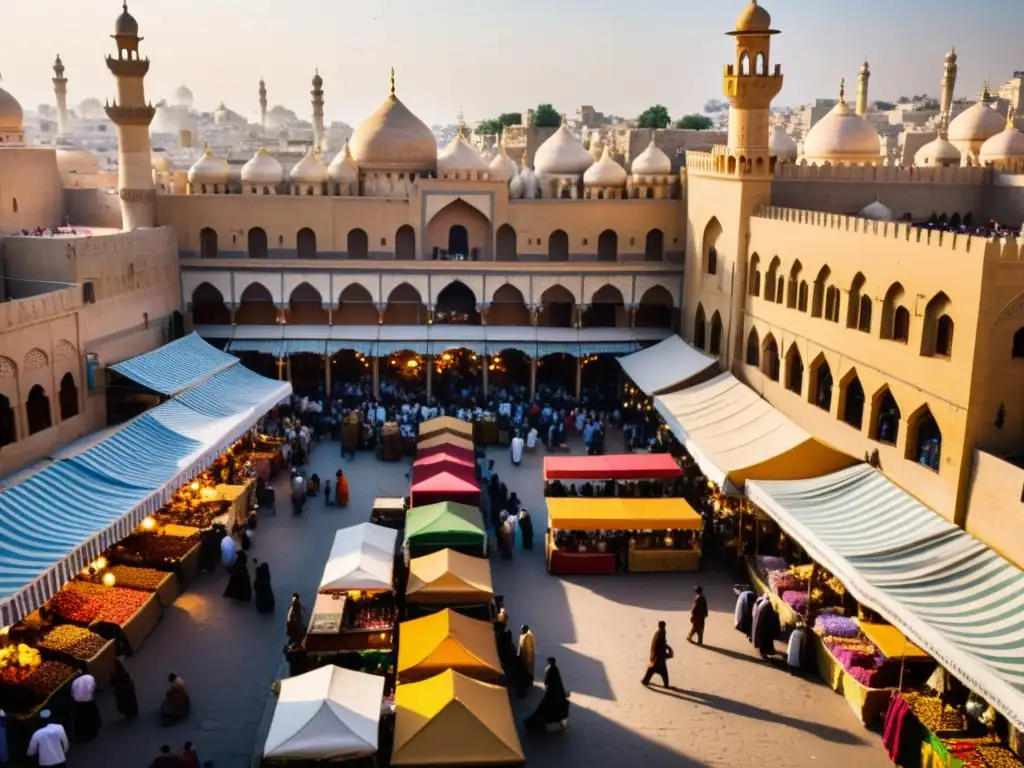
(361,347)
(946,591)
(176,366)
(558,348)
(236,392)
(385,348)
(608,347)
(297,346)
(273,347)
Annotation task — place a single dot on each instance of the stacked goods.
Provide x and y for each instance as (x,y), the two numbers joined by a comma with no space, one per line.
(148,548)
(74,641)
(371,618)
(130,577)
(47,678)
(935,716)
(858,656)
(85,603)
(17,663)
(997,757)
(26,681)
(194,517)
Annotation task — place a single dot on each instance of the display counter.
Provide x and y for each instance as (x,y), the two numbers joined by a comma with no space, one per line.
(389,511)
(21,725)
(239,497)
(334,628)
(99,664)
(163,584)
(564,562)
(662,559)
(869,704)
(132,633)
(787,616)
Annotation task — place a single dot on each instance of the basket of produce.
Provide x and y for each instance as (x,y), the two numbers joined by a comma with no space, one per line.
(935,716)
(163,583)
(26,681)
(154,550)
(73,642)
(993,756)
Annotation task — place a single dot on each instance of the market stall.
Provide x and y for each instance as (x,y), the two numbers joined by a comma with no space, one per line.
(593,535)
(445,525)
(389,511)
(669,365)
(449,458)
(362,558)
(30,683)
(173,548)
(454,720)
(447,440)
(447,640)
(627,466)
(327,714)
(445,425)
(450,579)
(440,483)
(455,451)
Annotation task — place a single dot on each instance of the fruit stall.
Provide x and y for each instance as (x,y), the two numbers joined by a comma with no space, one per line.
(81,649)
(173,548)
(30,683)
(125,615)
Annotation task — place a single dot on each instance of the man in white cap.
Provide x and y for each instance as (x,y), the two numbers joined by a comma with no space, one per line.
(50,743)
(86,723)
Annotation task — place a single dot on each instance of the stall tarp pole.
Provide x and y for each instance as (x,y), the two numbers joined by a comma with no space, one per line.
(903,663)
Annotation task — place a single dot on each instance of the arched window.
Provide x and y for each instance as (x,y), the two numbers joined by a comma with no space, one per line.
(854,310)
(924,439)
(709,246)
(801,297)
(770,279)
(1018,344)
(901,325)
(607,246)
(68,397)
(207,243)
(759,64)
(794,286)
(358,244)
(305,243)
(558,246)
(257,243)
(864,314)
(654,246)
(832,304)
(405,243)
(821,384)
(716,334)
(885,421)
(944,336)
(37,408)
(794,370)
(770,358)
(895,324)
(851,408)
(754,276)
(699,329)
(818,295)
(753,348)
(937,334)
(712,261)
(505,241)
(8,431)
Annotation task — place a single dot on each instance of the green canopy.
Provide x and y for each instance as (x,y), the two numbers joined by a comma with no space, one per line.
(446,524)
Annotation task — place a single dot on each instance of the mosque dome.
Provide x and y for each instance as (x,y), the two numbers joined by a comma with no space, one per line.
(310,169)
(515,187)
(317,80)
(528,180)
(1008,144)
(782,145)
(754,19)
(460,156)
(12,116)
(651,162)
(562,153)
(126,25)
(160,162)
(209,169)
(876,211)
(183,97)
(937,152)
(503,167)
(262,169)
(91,109)
(393,137)
(842,136)
(343,167)
(979,122)
(76,160)
(605,172)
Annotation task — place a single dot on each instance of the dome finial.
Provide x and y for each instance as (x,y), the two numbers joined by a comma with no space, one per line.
(462,124)
(842,90)
(393,83)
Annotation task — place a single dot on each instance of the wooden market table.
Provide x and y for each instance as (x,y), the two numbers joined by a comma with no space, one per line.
(167,591)
(100,666)
(563,562)
(133,633)
(662,560)
(869,704)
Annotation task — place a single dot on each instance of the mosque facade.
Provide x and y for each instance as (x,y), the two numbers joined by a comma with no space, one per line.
(799,267)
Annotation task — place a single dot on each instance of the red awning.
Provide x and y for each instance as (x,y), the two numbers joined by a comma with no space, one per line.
(626,466)
(463,473)
(445,457)
(444,486)
(451,450)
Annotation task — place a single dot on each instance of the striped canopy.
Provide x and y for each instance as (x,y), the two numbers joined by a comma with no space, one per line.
(946,591)
(176,366)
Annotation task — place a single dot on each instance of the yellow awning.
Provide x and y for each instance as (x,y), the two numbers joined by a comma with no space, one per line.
(447,640)
(446,439)
(448,577)
(596,514)
(451,719)
(891,642)
(446,424)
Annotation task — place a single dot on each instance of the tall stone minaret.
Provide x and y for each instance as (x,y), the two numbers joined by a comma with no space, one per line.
(862,89)
(947,85)
(263,109)
(132,116)
(319,137)
(60,93)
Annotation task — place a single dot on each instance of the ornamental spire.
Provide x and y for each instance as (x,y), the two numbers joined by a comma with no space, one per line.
(393,83)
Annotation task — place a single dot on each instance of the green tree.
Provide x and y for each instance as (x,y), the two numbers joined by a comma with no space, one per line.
(500,123)
(694,122)
(510,118)
(653,117)
(546,116)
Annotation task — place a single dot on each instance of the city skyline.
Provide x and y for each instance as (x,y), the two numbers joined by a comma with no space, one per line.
(585,55)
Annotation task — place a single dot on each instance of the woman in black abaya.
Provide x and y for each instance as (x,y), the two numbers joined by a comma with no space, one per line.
(262,589)
(239,587)
(554,707)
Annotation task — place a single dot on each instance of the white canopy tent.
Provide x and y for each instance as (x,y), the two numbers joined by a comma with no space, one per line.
(325,714)
(665,366)
(362,557)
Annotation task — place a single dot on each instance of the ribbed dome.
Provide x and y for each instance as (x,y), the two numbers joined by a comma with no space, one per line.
(754,19)
(503,167)
(651,162)
(262,169)
(76,160)
(1008,144)
(160,162)
(343,167)
(459,156)
(12,117)
(210,169)
(782,145)
(876,212)
(393,137)
(605,172)
(978,122)
(126,25)
(562,153)
(937,152)
(842,136)
(311,169)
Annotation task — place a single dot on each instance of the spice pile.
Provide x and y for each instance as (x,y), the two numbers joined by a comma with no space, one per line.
(933,715)
(74,641)
(81,602)
(998,757)
(150,548)
(130,577)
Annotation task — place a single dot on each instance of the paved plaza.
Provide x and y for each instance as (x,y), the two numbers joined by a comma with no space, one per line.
(727,709)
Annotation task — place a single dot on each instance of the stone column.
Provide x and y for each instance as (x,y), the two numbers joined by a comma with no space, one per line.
(484,359)
(534,314)
(232,311)
(579,376)
(482,308)
(381,307)
(327,374)
(632,315)
(289,367)
(280,369)
(376,378)
(330,315)
(533,376)
(430,375)
(578,320)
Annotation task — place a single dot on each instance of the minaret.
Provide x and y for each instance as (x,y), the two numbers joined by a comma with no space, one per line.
(862,89)
(60,92)
(947,85)
(263,109)
(750,85)
(132,116)
(319,138)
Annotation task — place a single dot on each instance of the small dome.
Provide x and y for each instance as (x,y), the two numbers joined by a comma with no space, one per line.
(343,167)
(651,162)
(515,187)
(262,169)
(210,169)
(937,152)
(12,116)
(317,80)
(77,160)
(58,67)
(1008,144)
(605,172)
(528,181)
(160,162)
(842,136)
(951,56)
(503,167)
(876,212)
(310,169)
(754,19)
(126,25)
(393,137)
(562,153)
(91,109)
(183,97)
(459,156)
(979,122)
(782,145)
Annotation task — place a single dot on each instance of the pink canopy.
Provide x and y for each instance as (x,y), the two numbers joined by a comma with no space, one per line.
(451,450)
(445,457)
(444,486)
(626,466)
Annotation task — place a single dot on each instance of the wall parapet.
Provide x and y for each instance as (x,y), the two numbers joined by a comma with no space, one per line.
(18,313)
(882,174)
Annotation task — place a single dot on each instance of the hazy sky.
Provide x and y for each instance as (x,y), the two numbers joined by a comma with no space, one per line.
(491,56)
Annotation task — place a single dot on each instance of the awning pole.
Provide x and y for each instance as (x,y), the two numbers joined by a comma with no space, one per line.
(903,663)
(810,587)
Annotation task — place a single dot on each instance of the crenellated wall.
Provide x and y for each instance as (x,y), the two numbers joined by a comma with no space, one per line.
(30,189)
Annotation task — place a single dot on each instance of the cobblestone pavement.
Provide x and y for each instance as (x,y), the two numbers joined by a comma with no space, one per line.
(728,707)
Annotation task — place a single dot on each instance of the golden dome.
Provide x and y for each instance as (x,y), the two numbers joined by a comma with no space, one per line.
(12,116)
(979,122)
(562,153)
(76,160)
(842,136)
(651,162)
(343,167)
(262,169)
(460,156)
(503,167)
(210,169)
(782,145)
(937,152)
(754,19)
(1008,144)
(605,172)
(393,137)
(309,170)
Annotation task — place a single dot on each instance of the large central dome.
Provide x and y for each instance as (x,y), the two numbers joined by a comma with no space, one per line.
(393,137)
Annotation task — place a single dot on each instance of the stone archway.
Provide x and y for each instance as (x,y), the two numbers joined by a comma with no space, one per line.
(355,307)
(256,306)
(508,307)
(456,218)
(405,306)
(208,307)
(305,306)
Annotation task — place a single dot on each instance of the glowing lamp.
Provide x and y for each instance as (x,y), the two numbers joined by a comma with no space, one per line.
(195,485)
(669,541)
(472,357)
(446,356)
(497,359)
(148,524)
(109,580)
(412,364)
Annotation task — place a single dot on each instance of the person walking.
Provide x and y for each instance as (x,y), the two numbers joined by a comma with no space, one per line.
(86,715)
(124,691)
(49,745)
(527,658)
(661,652)
(698,614)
